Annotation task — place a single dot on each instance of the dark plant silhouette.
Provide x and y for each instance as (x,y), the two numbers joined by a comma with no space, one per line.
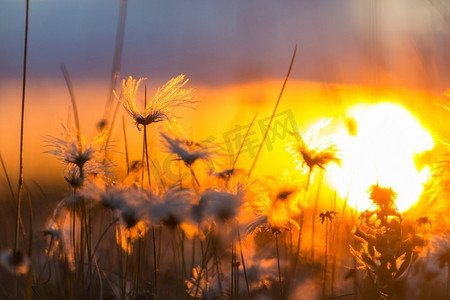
(385,252)
(327,217)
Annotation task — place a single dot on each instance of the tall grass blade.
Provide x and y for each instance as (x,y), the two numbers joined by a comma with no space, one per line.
(7,178)
(117,58)
(74,103)
(273,113)
(243,143)
(22,119)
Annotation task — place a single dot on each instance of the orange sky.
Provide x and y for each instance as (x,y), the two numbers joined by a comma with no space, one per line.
(218,113)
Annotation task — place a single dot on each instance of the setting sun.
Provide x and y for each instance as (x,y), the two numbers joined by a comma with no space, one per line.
(225,150)
(379,146)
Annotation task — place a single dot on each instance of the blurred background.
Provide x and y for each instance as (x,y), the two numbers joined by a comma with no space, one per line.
(236,55)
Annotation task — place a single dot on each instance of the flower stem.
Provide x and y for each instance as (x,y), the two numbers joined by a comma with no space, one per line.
(146,156)
(279,268)
(316,202)
(125,272)
(154,260)
(448,280)
(301,218)
(242,144)
(30,250)
(104,233)
(326,259)
(126,146)
(243,263)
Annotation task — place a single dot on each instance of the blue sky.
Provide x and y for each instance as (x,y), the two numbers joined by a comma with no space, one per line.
(218,45)
(230,41)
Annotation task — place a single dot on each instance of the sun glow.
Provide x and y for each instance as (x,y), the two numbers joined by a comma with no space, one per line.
(379,144)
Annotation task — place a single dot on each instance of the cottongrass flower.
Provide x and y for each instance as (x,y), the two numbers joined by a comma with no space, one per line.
(113,197)
(384,200)
(311,150)
(134,208)
(73,150)
(59,229)
(169,96)
(126,236)
(132,211)
(15,262)
(383,197)
(187,151)
(285,194)
(327,216)
(54,232)
(89,190)
(271,214)
(227,174)
(74,177)
(221,205)
(173,208)
(424,222)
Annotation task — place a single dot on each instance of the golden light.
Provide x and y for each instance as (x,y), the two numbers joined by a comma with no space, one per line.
(379,144)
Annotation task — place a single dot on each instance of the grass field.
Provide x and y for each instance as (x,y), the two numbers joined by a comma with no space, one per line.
(275,188)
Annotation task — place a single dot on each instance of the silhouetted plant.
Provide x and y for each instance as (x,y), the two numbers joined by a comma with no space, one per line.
(326,217)
(385,251)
